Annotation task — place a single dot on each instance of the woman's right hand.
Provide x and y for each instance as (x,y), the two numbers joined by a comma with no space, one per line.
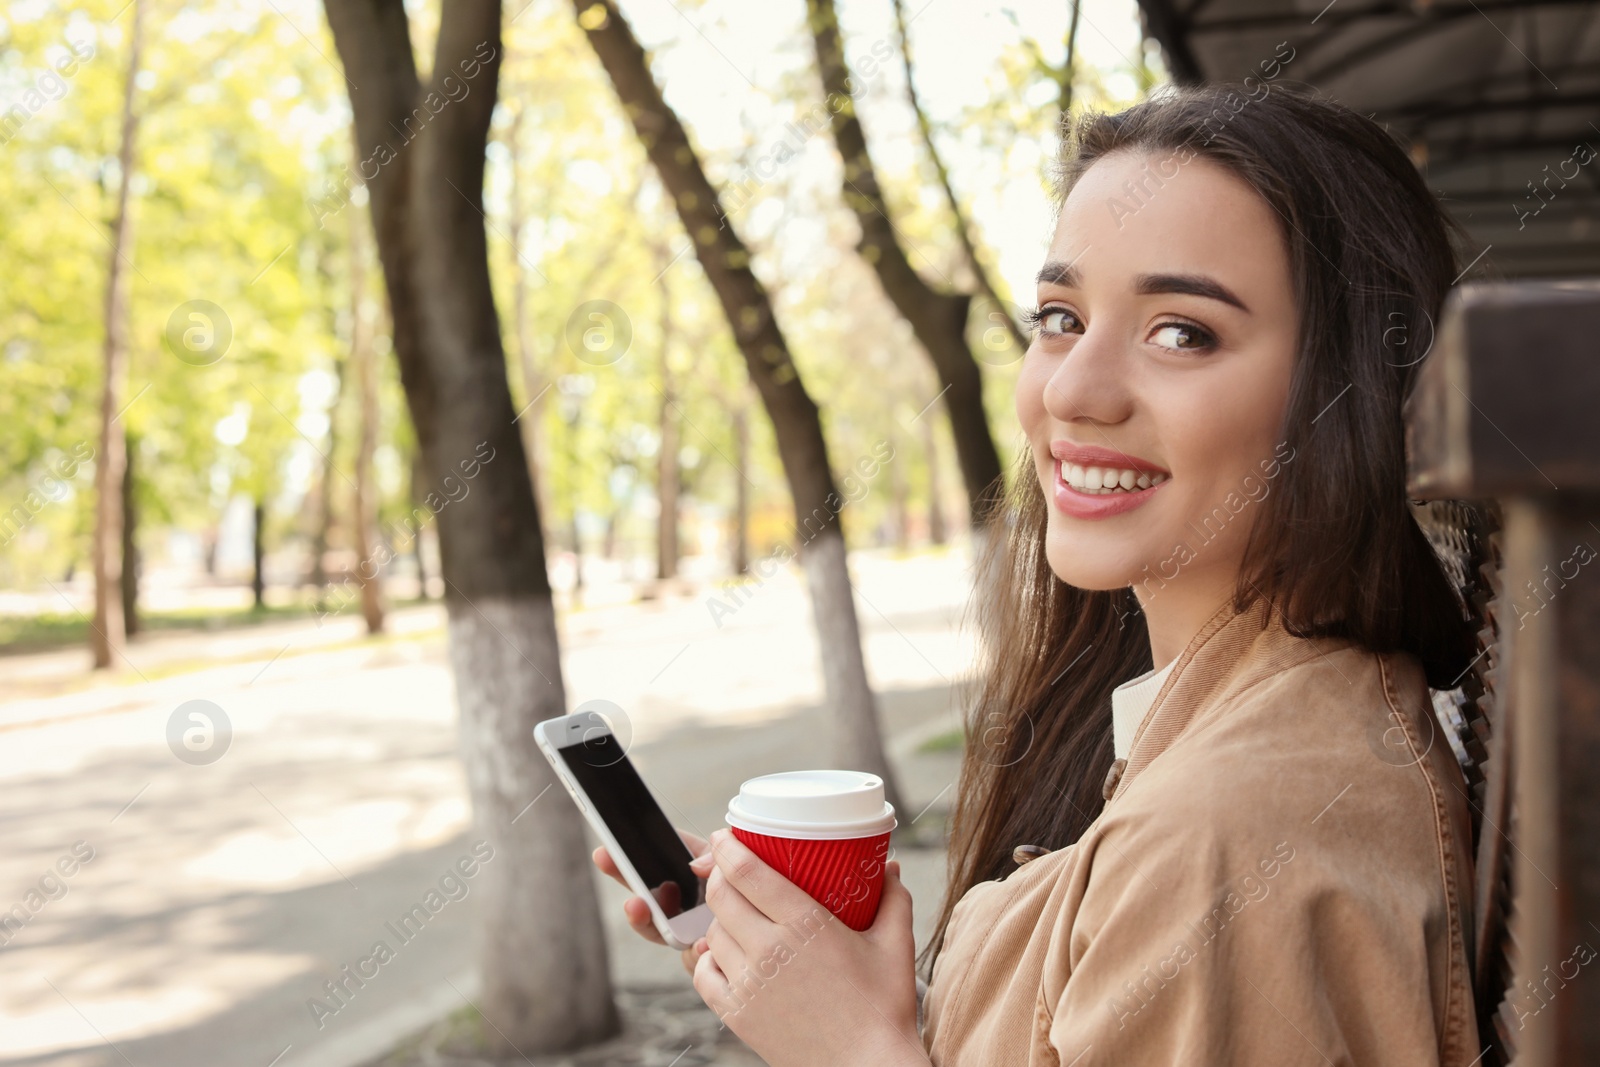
(638,912)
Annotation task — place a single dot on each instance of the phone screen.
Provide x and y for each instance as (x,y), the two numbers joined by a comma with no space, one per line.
(641,828)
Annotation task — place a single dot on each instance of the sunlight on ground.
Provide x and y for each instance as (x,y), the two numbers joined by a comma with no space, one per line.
(359,834)
(208,984)
(221,895)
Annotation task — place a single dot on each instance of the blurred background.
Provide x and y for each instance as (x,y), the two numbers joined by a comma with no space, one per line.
(378,379)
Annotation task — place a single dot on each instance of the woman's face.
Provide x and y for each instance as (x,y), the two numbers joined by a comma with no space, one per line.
(1154,390)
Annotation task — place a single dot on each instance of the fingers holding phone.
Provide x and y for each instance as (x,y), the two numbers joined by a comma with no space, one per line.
(692,954)
(635,908)
(638,913)
(639,846)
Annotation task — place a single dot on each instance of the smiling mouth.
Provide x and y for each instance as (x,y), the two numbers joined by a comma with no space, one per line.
(1107,481)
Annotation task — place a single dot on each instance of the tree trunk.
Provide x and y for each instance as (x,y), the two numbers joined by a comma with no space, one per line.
(858,741)
(319,542)
(415,494)
(106,636)
(741,488)
(545,971)
(930,449)
(901,493)
(667,456)
(258,578)
(1069,67)
(574,537)
(969,248)
(534,384)
(938,319)
(369,571)
(130,539)
(608,543)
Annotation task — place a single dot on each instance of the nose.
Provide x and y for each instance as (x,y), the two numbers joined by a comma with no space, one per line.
(1090,384)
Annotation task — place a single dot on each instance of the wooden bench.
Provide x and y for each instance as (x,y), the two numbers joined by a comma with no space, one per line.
(1504,439)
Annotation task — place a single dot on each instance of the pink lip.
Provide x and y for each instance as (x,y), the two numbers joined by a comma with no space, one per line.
(1100,504)
(1094,456)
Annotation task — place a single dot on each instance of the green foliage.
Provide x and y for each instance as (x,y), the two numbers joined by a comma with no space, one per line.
(244,124)
(240,124)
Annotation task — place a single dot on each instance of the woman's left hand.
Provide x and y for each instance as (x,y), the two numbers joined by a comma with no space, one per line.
(797,985)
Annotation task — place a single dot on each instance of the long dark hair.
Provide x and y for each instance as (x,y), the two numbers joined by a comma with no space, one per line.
(1334,548)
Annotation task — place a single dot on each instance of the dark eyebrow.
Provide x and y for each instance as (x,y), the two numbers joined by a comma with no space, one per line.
(1190,284)
(1065,274)
(1057,273)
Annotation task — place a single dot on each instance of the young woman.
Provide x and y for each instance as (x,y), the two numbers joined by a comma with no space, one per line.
(1206,815)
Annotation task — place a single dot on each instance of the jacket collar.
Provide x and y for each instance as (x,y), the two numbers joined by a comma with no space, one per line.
(1233,650)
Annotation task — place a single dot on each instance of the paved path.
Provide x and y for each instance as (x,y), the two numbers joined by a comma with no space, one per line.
(218,898)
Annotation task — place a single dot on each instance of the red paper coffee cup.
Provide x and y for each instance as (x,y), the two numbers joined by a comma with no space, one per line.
(827,831)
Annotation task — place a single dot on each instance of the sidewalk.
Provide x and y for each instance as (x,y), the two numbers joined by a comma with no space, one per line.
(222,896)
(662,1025)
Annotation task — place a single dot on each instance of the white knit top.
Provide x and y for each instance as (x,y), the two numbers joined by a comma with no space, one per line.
(1130,702)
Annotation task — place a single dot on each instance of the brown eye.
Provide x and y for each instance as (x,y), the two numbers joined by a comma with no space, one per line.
(1183,337)
(1053,320)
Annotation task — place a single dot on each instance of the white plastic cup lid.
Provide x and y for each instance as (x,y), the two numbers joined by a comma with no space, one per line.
(813,805)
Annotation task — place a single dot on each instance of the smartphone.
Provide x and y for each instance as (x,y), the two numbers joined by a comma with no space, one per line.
(652,858)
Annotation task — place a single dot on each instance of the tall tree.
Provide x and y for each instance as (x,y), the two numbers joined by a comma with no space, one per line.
(963,226)
(858,741)
(107,634)
(1070,65)
(574,387)
(900,491)
(1064,74)
(130,536)
(546,980)
(535,384)
(258,553)
(416,494)
(938,317)
(325,483)
(667,474)
(740,563)
(930,453)
(368,569)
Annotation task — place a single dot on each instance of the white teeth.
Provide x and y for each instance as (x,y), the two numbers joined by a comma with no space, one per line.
(1099,480)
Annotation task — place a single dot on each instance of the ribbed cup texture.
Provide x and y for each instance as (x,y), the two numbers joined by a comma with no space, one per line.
(844,876)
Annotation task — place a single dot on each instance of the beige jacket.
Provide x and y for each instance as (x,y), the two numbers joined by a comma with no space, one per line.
(1281,877)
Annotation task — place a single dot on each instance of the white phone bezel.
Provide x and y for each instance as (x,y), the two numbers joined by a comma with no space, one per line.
(554,734)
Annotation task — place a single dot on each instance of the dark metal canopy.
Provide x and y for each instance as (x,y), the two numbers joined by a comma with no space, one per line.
(1499,101)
